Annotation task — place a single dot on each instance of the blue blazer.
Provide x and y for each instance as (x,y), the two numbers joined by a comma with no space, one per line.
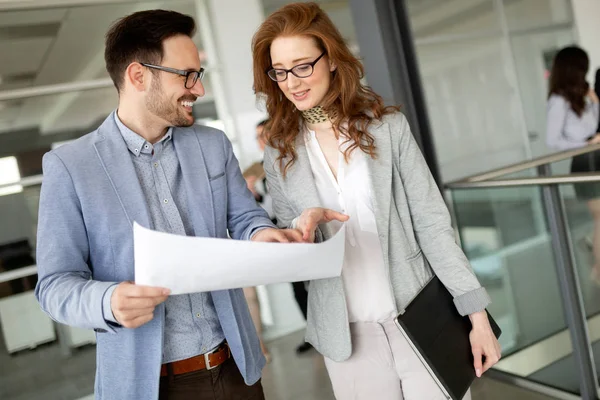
(90,197)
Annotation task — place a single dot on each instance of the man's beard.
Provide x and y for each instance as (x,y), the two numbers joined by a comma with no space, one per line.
(160,106)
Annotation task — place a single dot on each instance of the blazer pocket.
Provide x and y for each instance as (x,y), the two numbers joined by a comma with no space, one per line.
(415,256)
(218,181)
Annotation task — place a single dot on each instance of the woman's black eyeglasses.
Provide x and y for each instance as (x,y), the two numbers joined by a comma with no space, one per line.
(301,71)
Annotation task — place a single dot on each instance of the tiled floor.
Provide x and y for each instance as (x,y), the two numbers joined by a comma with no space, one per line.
(44,374)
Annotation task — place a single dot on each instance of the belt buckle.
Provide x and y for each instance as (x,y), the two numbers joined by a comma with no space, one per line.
(207,359)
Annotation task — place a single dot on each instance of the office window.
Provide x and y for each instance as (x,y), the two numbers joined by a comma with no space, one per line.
(9,173)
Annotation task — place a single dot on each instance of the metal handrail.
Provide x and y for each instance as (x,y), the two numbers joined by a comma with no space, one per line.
(57,88)
(562,248)
(533,181)
(33,180)
(18,273)
(522,166)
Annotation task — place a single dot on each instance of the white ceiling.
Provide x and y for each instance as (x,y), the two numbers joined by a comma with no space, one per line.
(60,45)
(65,43)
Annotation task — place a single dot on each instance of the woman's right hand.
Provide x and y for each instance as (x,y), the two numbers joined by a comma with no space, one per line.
(312,217)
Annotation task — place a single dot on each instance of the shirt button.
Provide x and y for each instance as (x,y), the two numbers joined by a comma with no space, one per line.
(156,164)
(146,146)
(198,315)
(136,150)
(166,201)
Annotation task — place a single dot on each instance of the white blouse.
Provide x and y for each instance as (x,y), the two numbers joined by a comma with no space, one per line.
(366,281)
(566,130)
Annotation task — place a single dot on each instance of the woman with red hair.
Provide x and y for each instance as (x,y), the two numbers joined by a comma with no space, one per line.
(337,156)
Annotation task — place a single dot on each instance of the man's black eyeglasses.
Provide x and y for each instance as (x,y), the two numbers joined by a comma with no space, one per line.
(191,77)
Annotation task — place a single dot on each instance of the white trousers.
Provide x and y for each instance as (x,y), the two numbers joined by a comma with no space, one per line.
(382,366)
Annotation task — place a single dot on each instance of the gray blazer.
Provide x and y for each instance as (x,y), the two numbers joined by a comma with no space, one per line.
(414,228)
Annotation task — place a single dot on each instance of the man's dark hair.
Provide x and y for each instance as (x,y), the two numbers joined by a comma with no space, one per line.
(139,38)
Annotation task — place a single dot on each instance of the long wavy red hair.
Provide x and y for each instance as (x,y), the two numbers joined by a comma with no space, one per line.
(354,105)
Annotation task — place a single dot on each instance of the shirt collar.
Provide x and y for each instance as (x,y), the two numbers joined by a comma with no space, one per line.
(135,143)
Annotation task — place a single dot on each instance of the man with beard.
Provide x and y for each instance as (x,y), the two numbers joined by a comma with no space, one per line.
(148,163)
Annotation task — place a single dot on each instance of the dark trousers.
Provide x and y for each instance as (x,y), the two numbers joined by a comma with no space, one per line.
(301,296)
(221,383)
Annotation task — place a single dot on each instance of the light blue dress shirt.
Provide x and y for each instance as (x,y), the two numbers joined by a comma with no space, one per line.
(192,326)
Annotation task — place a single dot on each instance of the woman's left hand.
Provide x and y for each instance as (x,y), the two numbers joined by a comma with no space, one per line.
(483,343)
(592,95)
(595,139)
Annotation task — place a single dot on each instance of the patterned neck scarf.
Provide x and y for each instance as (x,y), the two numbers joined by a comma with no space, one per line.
(316,115)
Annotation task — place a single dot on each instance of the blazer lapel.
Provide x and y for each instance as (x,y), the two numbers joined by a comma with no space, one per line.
(116,160)
(380,170)
(299,181)
(196,181)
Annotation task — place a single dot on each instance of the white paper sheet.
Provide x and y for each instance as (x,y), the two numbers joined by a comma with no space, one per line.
(186,264)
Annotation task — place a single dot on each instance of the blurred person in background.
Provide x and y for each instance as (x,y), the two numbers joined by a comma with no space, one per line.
(255,174)
(572,122)
(597,91)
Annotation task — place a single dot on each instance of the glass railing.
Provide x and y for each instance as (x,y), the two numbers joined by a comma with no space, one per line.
(18,213)
(65,367)
(530,233)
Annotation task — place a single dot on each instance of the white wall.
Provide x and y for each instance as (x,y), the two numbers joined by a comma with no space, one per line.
(232,23)
(533,84)
(473,106)
(486,92)
(587,22)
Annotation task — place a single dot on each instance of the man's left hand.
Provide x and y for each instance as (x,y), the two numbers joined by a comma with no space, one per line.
(278,236)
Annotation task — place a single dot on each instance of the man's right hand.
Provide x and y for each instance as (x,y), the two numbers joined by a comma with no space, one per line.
(133,305)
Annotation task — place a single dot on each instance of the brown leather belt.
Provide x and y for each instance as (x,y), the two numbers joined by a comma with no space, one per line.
(203,361)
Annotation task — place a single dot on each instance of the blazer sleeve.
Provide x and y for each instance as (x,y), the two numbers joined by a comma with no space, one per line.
(433,228)
(65,289)
(244,216)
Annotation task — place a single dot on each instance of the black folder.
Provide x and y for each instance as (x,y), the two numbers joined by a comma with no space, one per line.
(440,337)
